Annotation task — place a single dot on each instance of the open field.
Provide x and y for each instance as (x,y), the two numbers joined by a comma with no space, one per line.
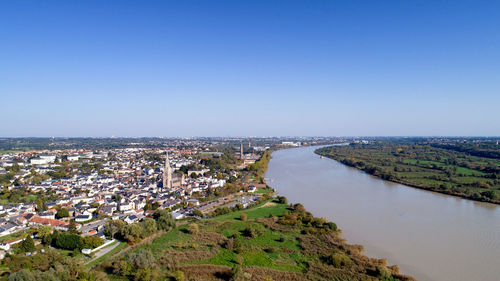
(456,171)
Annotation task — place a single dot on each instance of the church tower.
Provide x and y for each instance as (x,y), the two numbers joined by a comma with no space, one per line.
(241,151)
(167,174)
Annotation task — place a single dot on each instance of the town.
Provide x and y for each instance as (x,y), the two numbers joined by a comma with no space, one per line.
(81,191)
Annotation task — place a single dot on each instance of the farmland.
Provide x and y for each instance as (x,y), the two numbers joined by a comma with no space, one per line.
(467,171)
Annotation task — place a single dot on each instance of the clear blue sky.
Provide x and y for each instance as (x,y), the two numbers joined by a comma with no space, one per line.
(249,68)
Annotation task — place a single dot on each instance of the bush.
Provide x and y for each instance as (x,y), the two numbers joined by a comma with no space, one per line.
(193,228)
(179,276)
(383,272)
(229,244)
(250,232)
(338,260)
(282,200)
(331,226)
(141,259)
(237,246)
(122,268)
(243,217)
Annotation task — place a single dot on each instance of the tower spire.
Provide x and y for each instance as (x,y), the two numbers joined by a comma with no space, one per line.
(167,174)
(241,150)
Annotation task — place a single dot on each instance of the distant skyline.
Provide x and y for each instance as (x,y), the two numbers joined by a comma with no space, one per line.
(253,68)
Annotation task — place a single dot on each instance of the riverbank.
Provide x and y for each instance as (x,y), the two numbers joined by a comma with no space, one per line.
(414,170)
(270,241)
(431,236)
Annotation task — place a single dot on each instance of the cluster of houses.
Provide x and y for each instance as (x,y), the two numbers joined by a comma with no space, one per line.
(125,183)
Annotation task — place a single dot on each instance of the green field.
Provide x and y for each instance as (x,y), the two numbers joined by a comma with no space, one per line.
(449,169)
(9,151)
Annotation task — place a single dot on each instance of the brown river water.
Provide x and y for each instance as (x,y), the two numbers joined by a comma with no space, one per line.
(430,236)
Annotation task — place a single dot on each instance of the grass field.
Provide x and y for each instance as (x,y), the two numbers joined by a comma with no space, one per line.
(9,151)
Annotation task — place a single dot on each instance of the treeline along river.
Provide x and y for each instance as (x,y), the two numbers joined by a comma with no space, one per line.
(431,236)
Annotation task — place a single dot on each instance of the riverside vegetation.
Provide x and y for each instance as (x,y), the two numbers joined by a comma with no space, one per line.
(469,170)
(271,241)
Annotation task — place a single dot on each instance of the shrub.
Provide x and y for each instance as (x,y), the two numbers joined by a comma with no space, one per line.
(179,275)
(282,200)
(243,217)
(383,272)
(122,268)
(237,246)
(338,260)
(331,226)
(141,259)
(249,232)
(193,228)
(229,244)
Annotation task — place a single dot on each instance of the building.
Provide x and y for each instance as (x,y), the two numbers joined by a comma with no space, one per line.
(167,174)
(43,159)
(241,151)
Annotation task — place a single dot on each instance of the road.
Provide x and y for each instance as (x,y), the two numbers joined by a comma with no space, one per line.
(103,251)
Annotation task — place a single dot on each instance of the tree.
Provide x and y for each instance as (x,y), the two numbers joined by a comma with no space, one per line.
(72,227)
(148,226)
(22,275)
(114,227)
(69,241)
(243,217)
(164,219)
(28,245)
(197,213)
(40,205)
(44,231)
(62,213)
(132,232)
(91,242)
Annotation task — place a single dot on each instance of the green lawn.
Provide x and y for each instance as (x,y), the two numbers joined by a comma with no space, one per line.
(256,212)
(9,151)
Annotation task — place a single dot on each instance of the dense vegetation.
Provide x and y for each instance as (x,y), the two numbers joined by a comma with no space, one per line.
(462,169)
(272,241)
